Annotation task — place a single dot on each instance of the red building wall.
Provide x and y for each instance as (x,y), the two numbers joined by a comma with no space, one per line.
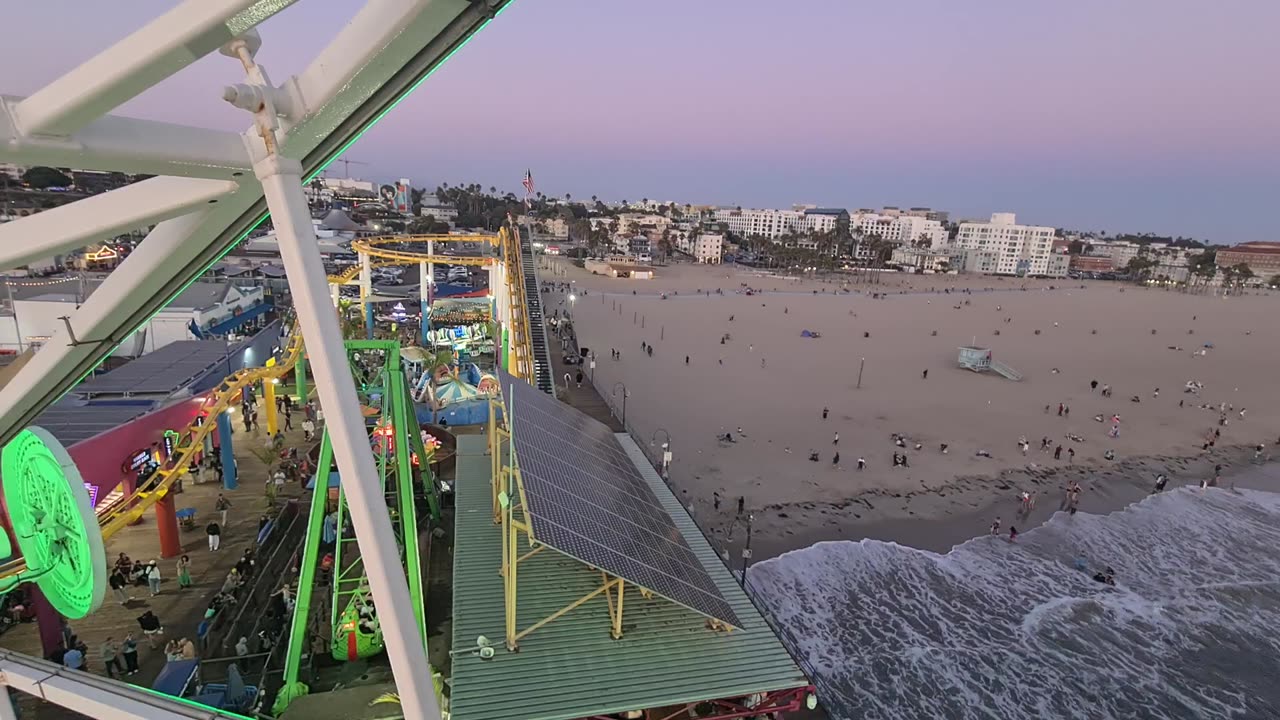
(100,457)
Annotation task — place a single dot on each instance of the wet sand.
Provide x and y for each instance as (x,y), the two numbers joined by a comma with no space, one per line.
(773,383)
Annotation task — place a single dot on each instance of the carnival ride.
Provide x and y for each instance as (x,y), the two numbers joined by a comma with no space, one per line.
(403,461)
(208,190)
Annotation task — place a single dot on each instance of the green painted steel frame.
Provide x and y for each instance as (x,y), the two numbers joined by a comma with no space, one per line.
(397,407)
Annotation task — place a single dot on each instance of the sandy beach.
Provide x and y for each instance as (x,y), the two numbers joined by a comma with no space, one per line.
(768,386)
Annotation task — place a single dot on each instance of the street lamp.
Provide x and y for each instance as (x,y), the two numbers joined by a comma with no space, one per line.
(622,385)
(666,448)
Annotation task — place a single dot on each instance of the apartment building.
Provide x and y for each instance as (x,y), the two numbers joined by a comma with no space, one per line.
(1019,249)
(899,228)
(708,248)
(774,224)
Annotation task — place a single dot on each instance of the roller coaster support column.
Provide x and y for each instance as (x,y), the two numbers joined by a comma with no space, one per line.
(426,274)
(224,449)
(300,378)
(282,184)
(167,524)
(366,289)
(269,401)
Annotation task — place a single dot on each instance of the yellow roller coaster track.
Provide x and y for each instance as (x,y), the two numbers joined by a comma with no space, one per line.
(130,508)
(521,343)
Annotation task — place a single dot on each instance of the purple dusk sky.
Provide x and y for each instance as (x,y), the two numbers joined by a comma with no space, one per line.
(1142,115)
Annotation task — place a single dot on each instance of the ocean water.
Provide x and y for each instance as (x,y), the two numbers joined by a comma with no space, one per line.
(994,629)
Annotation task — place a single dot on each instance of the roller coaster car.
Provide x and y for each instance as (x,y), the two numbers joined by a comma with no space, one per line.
(356,637)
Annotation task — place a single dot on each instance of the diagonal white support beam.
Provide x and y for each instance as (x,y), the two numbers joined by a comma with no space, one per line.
(282,184)
(164,46)
(128,145)
(117,310)
(99,217)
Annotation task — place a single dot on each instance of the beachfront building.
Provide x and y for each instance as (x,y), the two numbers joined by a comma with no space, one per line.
(1092,263)
(1263,258)
(925,260)
(619,266)
(708,248)
(909,229)
(1020,249)
(773,224)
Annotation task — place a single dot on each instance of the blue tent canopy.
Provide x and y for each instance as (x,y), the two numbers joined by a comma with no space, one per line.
(333,481)
(236,321)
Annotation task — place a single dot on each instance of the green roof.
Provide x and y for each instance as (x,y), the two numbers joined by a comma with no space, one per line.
(571,668)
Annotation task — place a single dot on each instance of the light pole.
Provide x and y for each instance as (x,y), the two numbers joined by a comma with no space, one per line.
(622,385)
(746,550)
(666,448)
(572,299)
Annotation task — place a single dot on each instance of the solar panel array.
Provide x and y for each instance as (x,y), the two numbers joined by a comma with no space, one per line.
(72,423)
(587,500)
(164,371)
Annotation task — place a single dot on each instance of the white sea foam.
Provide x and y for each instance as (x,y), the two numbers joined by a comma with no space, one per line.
(1000,630)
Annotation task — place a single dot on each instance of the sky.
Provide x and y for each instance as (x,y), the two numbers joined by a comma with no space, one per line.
(1138,116)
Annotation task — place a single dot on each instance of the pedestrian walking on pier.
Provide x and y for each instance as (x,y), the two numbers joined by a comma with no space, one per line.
(129,651)
(184,572)
(214,531)
(110,652)
(222,505)
(153,577)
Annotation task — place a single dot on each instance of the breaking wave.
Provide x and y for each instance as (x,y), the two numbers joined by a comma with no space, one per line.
(999,630)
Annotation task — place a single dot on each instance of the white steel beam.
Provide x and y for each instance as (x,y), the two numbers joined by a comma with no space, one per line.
(128,145)
(362,40)
(161,48)
(104,216)
(308,283)
(352,97)
(115,313)
(92,695)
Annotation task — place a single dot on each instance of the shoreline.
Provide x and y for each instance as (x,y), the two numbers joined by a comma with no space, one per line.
(942,533)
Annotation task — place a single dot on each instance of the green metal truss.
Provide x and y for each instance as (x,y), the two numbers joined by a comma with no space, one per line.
(403,483)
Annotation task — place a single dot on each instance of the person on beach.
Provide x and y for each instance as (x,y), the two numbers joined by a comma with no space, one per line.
(1071,456)
(1161,481)
(924,375)
(862,463)
(1013,533)
(825,410)
(1093,384)
(995,527)
(1057,453)
(835,459)
(836,440)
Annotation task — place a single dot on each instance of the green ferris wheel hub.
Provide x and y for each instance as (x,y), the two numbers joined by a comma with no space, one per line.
(56,528)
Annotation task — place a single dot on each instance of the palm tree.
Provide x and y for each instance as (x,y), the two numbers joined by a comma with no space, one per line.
(594,199)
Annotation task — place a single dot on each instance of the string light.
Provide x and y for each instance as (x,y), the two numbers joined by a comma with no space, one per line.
(46,283)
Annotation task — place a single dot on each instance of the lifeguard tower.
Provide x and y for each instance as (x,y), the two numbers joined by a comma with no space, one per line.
(978,359)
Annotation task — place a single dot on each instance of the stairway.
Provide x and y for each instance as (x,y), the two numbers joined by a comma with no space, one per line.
(1005,370)
(537,330)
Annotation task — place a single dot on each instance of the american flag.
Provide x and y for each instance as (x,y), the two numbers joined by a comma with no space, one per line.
(528,183)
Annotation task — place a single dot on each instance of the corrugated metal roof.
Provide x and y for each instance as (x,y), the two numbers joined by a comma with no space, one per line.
(571,668)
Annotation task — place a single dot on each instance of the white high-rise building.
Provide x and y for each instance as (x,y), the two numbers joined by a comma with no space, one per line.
(909,229)
(773,224)
(1018,249)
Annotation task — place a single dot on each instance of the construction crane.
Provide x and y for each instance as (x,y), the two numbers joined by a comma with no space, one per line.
(346,165)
